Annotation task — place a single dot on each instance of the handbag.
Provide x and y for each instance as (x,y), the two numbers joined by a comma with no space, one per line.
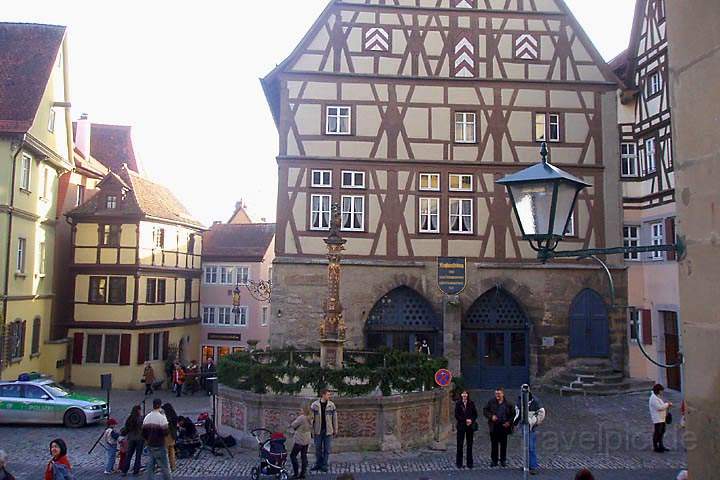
(668,418)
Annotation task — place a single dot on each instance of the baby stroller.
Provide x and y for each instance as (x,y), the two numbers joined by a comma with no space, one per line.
(272,454)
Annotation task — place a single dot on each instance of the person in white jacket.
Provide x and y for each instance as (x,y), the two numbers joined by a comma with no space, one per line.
(658,413)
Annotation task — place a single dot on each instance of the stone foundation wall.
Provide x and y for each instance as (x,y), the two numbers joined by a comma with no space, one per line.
(545,292)
(419,419)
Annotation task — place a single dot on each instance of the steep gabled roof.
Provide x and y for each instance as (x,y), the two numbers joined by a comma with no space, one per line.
(27,55)
(112,145)
(144,198)
(638,17)
(240,242)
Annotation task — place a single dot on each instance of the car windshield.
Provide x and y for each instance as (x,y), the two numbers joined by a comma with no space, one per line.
(56,390)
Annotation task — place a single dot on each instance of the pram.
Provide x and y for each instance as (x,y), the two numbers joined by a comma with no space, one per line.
(272,454)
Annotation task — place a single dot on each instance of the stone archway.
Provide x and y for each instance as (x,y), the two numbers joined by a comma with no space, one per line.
(400,318)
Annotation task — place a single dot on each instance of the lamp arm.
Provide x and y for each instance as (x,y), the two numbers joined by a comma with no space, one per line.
(651,360)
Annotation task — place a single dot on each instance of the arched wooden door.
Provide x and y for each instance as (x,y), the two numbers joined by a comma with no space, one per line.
(401,319)
(589,326)
(495,343)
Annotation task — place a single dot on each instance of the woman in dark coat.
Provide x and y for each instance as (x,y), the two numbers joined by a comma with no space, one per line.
(133,432)
(466,416)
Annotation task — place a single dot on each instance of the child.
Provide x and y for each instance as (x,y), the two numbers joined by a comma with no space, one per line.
(122,448)
(110,440)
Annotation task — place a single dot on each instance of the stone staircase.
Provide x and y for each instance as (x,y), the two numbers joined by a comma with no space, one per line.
(595,378)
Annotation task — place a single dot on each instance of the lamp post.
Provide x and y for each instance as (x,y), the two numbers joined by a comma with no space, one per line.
(543,198)
(332,327)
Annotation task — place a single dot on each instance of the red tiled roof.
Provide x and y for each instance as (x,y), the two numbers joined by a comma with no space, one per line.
(112,146)
(243,242)
(27,56)
(144,198)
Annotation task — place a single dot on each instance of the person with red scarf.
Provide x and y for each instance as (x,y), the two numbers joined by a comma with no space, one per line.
(58,468)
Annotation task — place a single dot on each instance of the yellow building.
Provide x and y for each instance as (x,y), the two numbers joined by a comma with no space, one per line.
(35,150)
(136,273)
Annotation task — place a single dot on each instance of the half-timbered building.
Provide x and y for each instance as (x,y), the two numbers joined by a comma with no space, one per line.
(648,179)
(405,113)
(136,268)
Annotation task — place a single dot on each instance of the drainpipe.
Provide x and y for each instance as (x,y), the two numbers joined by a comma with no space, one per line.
(8,243)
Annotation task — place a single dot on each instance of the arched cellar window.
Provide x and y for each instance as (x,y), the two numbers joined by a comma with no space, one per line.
(402,319)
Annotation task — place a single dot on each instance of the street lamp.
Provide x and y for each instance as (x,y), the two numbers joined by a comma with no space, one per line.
(543,198)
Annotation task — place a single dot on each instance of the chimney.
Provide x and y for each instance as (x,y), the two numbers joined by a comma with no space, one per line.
(82,135)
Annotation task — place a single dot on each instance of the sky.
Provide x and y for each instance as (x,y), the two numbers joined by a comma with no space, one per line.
(185,75)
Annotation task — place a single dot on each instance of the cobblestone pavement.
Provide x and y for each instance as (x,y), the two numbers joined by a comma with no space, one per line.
(611,434)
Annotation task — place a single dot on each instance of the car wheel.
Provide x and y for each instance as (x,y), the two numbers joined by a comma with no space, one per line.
(74,418)
(255,473)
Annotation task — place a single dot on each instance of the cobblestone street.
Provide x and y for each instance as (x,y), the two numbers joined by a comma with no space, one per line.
(609,434)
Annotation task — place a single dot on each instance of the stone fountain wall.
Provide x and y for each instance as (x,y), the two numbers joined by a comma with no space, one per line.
(420,419)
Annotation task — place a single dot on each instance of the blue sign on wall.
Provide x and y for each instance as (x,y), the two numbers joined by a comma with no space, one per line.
(451,274)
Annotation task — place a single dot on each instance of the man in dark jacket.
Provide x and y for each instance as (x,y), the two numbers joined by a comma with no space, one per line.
(154,430)
(500,414)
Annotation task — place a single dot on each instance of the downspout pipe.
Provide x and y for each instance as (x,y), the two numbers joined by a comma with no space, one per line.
(8,244)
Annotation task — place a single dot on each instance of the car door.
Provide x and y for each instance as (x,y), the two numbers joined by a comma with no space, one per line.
(11,406)
(38,404)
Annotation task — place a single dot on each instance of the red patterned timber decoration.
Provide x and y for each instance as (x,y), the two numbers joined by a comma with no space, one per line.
(233,414)
(357,424)
(415,421)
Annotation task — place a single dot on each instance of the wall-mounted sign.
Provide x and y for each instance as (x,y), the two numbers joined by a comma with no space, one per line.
(232,337)
(443,377)
(451,274)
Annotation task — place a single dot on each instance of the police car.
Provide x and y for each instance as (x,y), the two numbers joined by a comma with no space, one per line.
(36,399)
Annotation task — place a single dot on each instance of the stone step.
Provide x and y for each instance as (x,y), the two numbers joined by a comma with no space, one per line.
(626,387)
(585,370)
(609,378)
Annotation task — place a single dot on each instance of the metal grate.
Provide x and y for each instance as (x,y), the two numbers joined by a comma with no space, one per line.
(403,309)
(496,309)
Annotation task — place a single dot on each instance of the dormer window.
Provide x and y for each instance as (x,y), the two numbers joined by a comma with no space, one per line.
(111,202)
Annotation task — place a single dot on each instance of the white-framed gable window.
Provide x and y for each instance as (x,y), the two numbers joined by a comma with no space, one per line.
(319,212)
(654,83)
(51,120)
(430,182)
(25,168)
(321,178)
(631,238)
(461,215)
(461,182)
(353,213)
(628,159)
(211,275)
(352,179)
(657,238)
(650,155)
(429,215)
(465,127)
(338,121)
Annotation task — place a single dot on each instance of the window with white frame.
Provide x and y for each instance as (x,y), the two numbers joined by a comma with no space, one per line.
(628,159)
(80,195)
(111,202)
(461,183)
(650,155)
(226,275)
(654,84)
(25,168)
(429,215)
(45,187)
(553,127)
(159,237)
(211,274)
(51,120)
(465,127)
(321,178)
(155,290)
(338,121)
(635,323)
(461,215)
(540,127)
(657,238)
(547,127)
(241,318)
(21,254)
(320,212)
(353,212)
(353,179)
(224,315)
(208,315)
(41,258)
(264,318)
(631,238)
(243,275)
(430,182)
